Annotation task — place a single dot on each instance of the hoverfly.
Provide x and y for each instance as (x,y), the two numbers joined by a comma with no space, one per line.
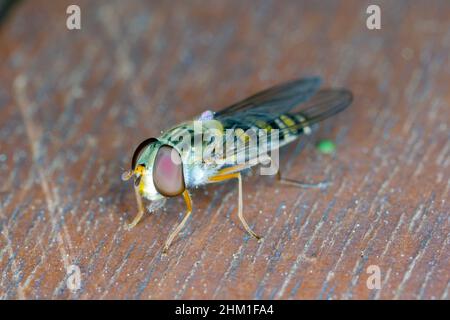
(161,170)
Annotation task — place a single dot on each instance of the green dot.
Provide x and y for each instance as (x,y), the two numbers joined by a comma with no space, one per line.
(326,146)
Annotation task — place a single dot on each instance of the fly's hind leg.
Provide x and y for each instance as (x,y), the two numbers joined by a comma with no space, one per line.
(237,175)
(141,211)
(187,199)
(295,183)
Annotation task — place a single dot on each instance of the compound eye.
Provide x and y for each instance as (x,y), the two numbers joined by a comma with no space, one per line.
(140,148)
(168,172)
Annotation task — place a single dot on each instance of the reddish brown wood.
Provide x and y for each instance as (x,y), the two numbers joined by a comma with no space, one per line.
(74,104)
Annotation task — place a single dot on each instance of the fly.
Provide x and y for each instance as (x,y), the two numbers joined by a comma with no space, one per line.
(167,166)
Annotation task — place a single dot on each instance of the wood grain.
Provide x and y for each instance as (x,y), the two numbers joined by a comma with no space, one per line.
(74,104)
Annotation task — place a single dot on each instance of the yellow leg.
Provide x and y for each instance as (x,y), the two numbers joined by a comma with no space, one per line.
(172,236)
(227,176)
(140,213)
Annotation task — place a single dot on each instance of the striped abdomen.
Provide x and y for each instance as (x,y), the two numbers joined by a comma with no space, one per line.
(290,126)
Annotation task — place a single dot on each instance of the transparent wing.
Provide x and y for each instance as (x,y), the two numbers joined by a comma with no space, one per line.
(268,104)
(324,104)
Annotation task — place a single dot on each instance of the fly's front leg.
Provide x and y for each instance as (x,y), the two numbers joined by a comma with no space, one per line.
(141,211)
(237,175)
(187,199)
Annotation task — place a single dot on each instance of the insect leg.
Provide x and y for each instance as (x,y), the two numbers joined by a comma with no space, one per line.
(295,183)
(237,175)
(187,199)
(140,209)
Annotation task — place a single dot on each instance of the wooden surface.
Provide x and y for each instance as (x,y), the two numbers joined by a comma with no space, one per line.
(74,104)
